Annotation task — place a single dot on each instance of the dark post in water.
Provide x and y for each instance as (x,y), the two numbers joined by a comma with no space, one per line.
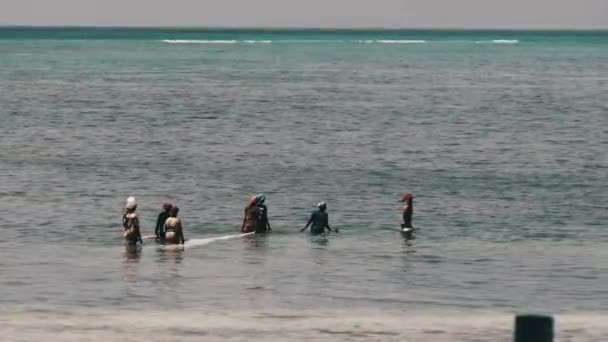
(533,328)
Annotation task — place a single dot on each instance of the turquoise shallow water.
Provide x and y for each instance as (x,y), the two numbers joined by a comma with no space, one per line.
(501,136)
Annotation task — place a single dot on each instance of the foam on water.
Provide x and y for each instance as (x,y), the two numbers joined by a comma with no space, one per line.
(498,41)
(335,41)
(198,41)
(399,41)
(295,41)
(248,41)
(202,242)
(257,41)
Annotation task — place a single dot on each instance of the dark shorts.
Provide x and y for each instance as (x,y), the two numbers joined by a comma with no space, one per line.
(260,228)
(317,231)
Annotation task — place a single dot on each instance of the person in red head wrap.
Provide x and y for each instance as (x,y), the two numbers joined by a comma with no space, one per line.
(250,218)
(408,210)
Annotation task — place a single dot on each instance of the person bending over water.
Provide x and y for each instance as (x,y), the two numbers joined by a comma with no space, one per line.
(174,232)
(408,210)
(130,223)
(159,230)
(319,220)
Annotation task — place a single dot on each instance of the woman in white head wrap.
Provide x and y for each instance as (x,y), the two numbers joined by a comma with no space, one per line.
(130,222)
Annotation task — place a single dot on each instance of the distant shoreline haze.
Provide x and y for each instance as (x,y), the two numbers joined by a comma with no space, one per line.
(203,28)
(300,35)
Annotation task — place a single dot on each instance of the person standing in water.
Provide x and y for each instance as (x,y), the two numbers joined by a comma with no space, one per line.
(262,225)
(174,232)
(130,223)
(319,220)
(159,230)
(408,210)
(256,216)
(251,215)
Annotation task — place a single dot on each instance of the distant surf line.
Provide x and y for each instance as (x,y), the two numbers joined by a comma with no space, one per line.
(329,41)
(499,41)
(293,41)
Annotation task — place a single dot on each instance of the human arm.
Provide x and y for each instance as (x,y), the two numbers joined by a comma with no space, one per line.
(307,224)
(136,228)
(327,224)
(181,231)
(266,219)
(158,226)
(244,219)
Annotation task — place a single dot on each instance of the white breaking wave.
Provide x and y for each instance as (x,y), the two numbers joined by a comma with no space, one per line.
(301,41)
(309,41)
(257,41)
(196,41)
(306,41)
(498,41)
(389,41)
(207,41)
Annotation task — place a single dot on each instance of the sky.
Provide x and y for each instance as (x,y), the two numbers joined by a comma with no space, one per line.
(518,14)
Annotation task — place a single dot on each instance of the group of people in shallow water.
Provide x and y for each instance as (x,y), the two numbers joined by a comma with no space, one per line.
(169,228)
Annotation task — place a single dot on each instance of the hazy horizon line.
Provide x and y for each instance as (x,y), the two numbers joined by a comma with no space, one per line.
(288,28)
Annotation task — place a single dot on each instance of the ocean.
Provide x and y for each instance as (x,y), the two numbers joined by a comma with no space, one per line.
(501,136)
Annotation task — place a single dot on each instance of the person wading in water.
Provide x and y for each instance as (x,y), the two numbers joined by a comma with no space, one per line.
(130,223)
(256,216)
(319,220)
(174,232)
